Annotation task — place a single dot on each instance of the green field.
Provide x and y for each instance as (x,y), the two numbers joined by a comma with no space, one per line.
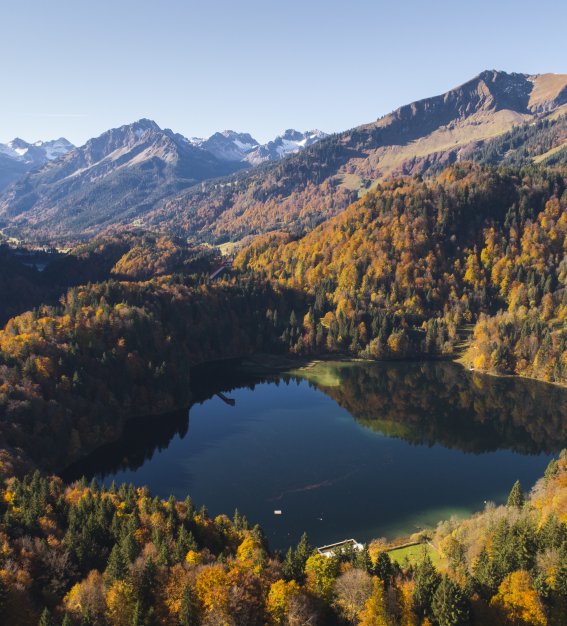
(414,554)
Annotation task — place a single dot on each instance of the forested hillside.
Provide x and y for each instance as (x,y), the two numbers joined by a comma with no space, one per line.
(127,255)
(71,375)
(397,275)
(402,269)
(541,142)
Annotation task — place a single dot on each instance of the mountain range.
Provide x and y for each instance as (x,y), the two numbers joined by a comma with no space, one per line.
(120,175)
(231,146)
(18,156)
(228,187)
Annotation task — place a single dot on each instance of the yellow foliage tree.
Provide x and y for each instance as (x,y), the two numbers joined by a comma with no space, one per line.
(518,602)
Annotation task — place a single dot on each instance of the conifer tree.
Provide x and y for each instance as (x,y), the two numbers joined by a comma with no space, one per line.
(46,619)
(426,582)
(486,575)
(188,614)
(383,567)
(362,560)
(116,568)
(449,606)
(516,497)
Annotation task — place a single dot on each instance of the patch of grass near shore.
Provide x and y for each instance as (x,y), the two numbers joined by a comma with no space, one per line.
(414,554)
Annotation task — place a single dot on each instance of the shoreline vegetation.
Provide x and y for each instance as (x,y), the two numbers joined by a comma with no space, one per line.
(120,556)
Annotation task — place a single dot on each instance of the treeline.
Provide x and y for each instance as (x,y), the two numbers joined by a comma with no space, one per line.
(401,270)
(70,375)
(81,555)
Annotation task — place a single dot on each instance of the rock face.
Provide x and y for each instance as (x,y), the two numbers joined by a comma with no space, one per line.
(140,174)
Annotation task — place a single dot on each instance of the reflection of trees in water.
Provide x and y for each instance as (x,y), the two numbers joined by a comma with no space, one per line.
(428,403)
(423,403)
(143,436)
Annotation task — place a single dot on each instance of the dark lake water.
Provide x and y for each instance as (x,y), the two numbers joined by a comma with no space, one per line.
(344,450)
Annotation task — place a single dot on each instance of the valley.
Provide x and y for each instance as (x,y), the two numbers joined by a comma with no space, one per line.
(311,384)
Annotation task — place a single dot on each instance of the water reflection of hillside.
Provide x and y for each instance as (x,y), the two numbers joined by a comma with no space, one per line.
(429,403)
(144,436)
(423,403)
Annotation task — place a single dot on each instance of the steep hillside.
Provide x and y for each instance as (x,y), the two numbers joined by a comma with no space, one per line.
(309,187)
(29,278)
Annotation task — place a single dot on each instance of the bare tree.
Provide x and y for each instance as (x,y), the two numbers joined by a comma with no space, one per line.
(352,589)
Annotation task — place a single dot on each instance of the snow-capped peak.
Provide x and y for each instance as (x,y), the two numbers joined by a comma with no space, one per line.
(229,145)
(38,152)
(290,142)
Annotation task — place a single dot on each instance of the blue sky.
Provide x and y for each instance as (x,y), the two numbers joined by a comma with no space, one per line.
(78,67)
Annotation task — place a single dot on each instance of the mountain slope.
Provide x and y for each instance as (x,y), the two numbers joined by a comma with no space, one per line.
(307,188)
(112,179)
(142,175)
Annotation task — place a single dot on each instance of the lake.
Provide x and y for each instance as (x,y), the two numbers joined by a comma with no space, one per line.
(343,449)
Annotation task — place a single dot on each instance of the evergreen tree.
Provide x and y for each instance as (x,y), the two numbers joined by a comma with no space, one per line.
(190,508)
(362,560)
(516,497)
(189,609)
(137,619)
(116,568)
(561,581)
(288,565)
(46,619)
(486,575)
(148,583)
(302,553)
(449,606)
(185,542)
(383,567)
(426,582)
(129,548)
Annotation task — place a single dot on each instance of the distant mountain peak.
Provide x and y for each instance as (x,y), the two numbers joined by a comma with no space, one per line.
(289,142)
(228,145)
(145,124)
(37,153)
